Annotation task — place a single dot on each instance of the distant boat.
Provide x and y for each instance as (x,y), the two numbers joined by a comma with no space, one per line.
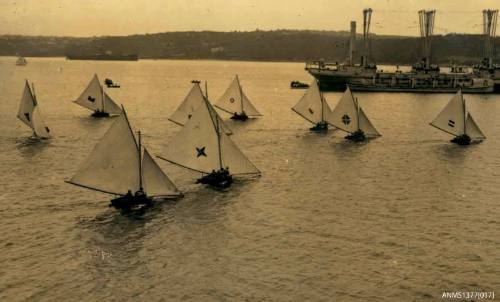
(235,102)
(298,85)
(29,113)
(96,99)
(191,103)
(103,57)
(203,146)
(456,120)
(314,108)
(120,165)
(21,61)
(350,117)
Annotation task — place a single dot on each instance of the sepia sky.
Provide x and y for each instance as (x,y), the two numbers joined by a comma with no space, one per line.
(125,17)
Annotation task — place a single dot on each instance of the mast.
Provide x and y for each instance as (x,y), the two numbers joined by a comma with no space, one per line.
(489,32)
(465,115)
(140,160)
(357,111)
(367,18)
(216,124)
(103,99)
(241,93)
(34,95)
(322,106)
(426,21)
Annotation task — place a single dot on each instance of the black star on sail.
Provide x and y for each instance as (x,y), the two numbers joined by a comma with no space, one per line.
(201,152)
(91,99)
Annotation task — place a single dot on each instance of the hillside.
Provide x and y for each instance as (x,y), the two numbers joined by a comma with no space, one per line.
(279,45)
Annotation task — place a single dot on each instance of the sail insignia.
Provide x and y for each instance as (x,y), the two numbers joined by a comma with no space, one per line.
(312,106)
(96,99)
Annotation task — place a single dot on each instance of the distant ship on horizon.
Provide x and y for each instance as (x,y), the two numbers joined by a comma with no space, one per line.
(107,56)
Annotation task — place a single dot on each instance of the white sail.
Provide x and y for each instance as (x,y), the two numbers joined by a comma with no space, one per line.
(235,101)
(451,119)
(26,106)
(39,127)
(110,106)
(312,106)
(472,129)
(193,101)
(113,165)
(233,158)
(345,114)
(92,96)
(197,146)
(154,181)
(366,125)
(29,113)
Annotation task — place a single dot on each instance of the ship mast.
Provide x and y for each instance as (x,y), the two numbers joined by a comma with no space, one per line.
(426,20)
(489,32)
(367,18)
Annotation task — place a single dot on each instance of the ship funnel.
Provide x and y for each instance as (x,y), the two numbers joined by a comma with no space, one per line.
(352,43)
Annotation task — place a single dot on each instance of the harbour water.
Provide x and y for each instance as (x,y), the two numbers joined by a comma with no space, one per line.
(403,217)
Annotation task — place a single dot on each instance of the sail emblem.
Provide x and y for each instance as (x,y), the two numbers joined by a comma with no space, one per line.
(189,116)
(311,111)
(231,100)
(91,99)
(346,119)
(27,115)
(451,123)
(201,152)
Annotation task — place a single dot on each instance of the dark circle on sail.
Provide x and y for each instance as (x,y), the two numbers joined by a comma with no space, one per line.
(232,100)
(346,119)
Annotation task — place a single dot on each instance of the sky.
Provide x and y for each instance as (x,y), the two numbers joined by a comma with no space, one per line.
(84,18)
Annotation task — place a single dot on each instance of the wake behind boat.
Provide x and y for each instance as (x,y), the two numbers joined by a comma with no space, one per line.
(29,113)
(120,165)
(350,117)
(96,99)
(456,120)
(203,146)
(235,102)
(313,108)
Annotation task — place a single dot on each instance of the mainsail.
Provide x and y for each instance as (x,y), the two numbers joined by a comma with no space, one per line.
(115,166)
(312,106)
(452,118)
(191,103)
(234,101)
(29,113)
(202,146)
(350,117)
(94,98)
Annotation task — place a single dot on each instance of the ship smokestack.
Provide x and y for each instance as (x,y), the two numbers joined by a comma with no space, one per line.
(367,19)
(352,43)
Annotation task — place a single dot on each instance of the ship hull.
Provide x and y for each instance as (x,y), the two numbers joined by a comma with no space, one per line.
(99,57)
(399,82)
